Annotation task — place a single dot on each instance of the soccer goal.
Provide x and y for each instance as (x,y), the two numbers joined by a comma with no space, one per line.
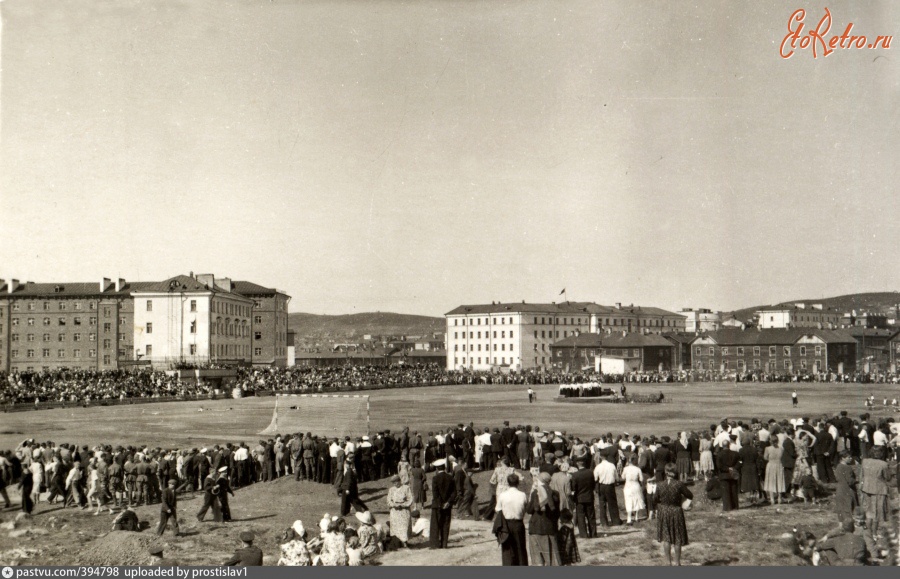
(322,414)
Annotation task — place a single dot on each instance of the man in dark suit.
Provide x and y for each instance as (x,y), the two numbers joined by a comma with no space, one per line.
(496,449)
(788,458)
(583,486)
(443,497)
(822,450)
(247,555)
(346,483)
(661,457)
(728,465)
(508,441)
(168,509)
(323,461)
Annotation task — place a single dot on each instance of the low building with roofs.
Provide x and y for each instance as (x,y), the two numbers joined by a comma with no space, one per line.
(640,352)
(776,350)
(873,347)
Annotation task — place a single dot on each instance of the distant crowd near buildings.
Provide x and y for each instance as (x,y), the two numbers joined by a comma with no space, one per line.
(793,338)
(114,325)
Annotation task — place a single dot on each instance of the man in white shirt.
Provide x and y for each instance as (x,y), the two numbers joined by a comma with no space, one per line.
(606,476)
(511,503)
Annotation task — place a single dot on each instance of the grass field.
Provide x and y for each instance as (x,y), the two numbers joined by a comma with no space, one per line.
(751,536)
(692,406)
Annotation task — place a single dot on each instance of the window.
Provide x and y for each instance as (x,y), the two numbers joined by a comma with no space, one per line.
(511,334)
(802,350)
(724,351)
(14,353)
(712,351)
(60,337)
(257,335)
(756,350)
(92,321)
(92,306)
(787,364)
(60,353)
(122,321)
(740,351)
(258,352)
(62,321)
(803,364)
(46,337)
(15,321)
(106,359)
(121,352)
(30,321)
(786,350)
(106,344)
(62,305)
(46,352)
(107,327)
(194,327)
(193,305)
(495,334)
(46,321)
(92,353)
(76,337)
(78,306)
(819,350)
(76,322)
(106,312)
(698,351)
(772,351)
(30,337)
(92,337)
(149,327)
(193,349)
(149,350)
(479,335)
(150,305)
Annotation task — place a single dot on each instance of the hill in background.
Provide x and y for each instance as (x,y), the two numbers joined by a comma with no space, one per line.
(868,302)
(312,328)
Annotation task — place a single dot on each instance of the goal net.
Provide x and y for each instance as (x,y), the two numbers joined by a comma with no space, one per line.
(323,414)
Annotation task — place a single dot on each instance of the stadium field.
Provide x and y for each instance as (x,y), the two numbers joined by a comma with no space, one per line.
(694,406)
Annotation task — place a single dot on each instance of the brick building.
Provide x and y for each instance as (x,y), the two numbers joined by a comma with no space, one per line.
(270,323)
(46,326)
(779,351)
(642,352)
(576,352)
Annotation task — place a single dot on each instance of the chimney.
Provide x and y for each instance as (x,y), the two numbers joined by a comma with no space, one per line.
(120,284)
(207,279)
(618,305)
(13,285)
(224,283)
(802,306)
(104,284)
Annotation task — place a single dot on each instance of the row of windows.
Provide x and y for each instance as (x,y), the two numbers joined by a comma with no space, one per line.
(646,323)
(786,350)
(486,360)
(76,353)
(76,337)
(486,334)
(486,348)
(757,365)
(92,321)
(477,321)
(45,305)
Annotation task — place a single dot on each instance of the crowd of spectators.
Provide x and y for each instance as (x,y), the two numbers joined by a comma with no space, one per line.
(87,386)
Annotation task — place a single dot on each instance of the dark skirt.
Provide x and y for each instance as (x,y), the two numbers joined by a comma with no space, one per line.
(683,465)
(671,527)
(515,551)
(749,478)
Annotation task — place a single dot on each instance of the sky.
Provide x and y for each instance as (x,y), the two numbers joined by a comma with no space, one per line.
(415,156)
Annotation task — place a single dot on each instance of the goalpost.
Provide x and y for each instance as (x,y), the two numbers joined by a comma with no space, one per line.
(332,415)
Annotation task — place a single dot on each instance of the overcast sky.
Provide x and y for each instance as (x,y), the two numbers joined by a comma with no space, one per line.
(414,156)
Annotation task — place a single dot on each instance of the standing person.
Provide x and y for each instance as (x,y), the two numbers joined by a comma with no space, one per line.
(633,492)
(210,499)
(442,500)
(707,467)
(583,490)
(466,507)
(247,555)
(499,484)
(222,490)
(607,476)
(568,545)
(399,500)
(822,449)
(530,395)
(168,509)
(874,476)
(845,500)
(794,401)
(683,457)
(417,482)
(728,465)
(73,485)
(543,506)
(788,459)
(774,484)
(749,471)
(26,485)
(671,529)
(511,505)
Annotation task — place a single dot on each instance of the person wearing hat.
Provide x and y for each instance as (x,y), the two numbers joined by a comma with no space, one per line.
(157,560)
(222,489)
(728,467)
(347,488)
(369,537)
(210,499)
(295,552)
(583,485)
(543,506)
(399,500)
(248,555)
(168,509)
(443,498)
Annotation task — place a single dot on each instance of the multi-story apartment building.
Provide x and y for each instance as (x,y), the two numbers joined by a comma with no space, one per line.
(799,316)
(270,323)
(510,335)
(46,326)
(701,320)
(780,351)
(632,318)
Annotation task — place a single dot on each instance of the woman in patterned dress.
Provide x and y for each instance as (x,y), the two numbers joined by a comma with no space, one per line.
(295,553)
(334,546)
(399,500)
(683,457)
(369,537)
(671,529)
(707,466)
(801,466)
(417,485)
(773,484)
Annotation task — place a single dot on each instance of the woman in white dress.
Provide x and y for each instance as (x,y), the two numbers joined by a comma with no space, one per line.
(633,492)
